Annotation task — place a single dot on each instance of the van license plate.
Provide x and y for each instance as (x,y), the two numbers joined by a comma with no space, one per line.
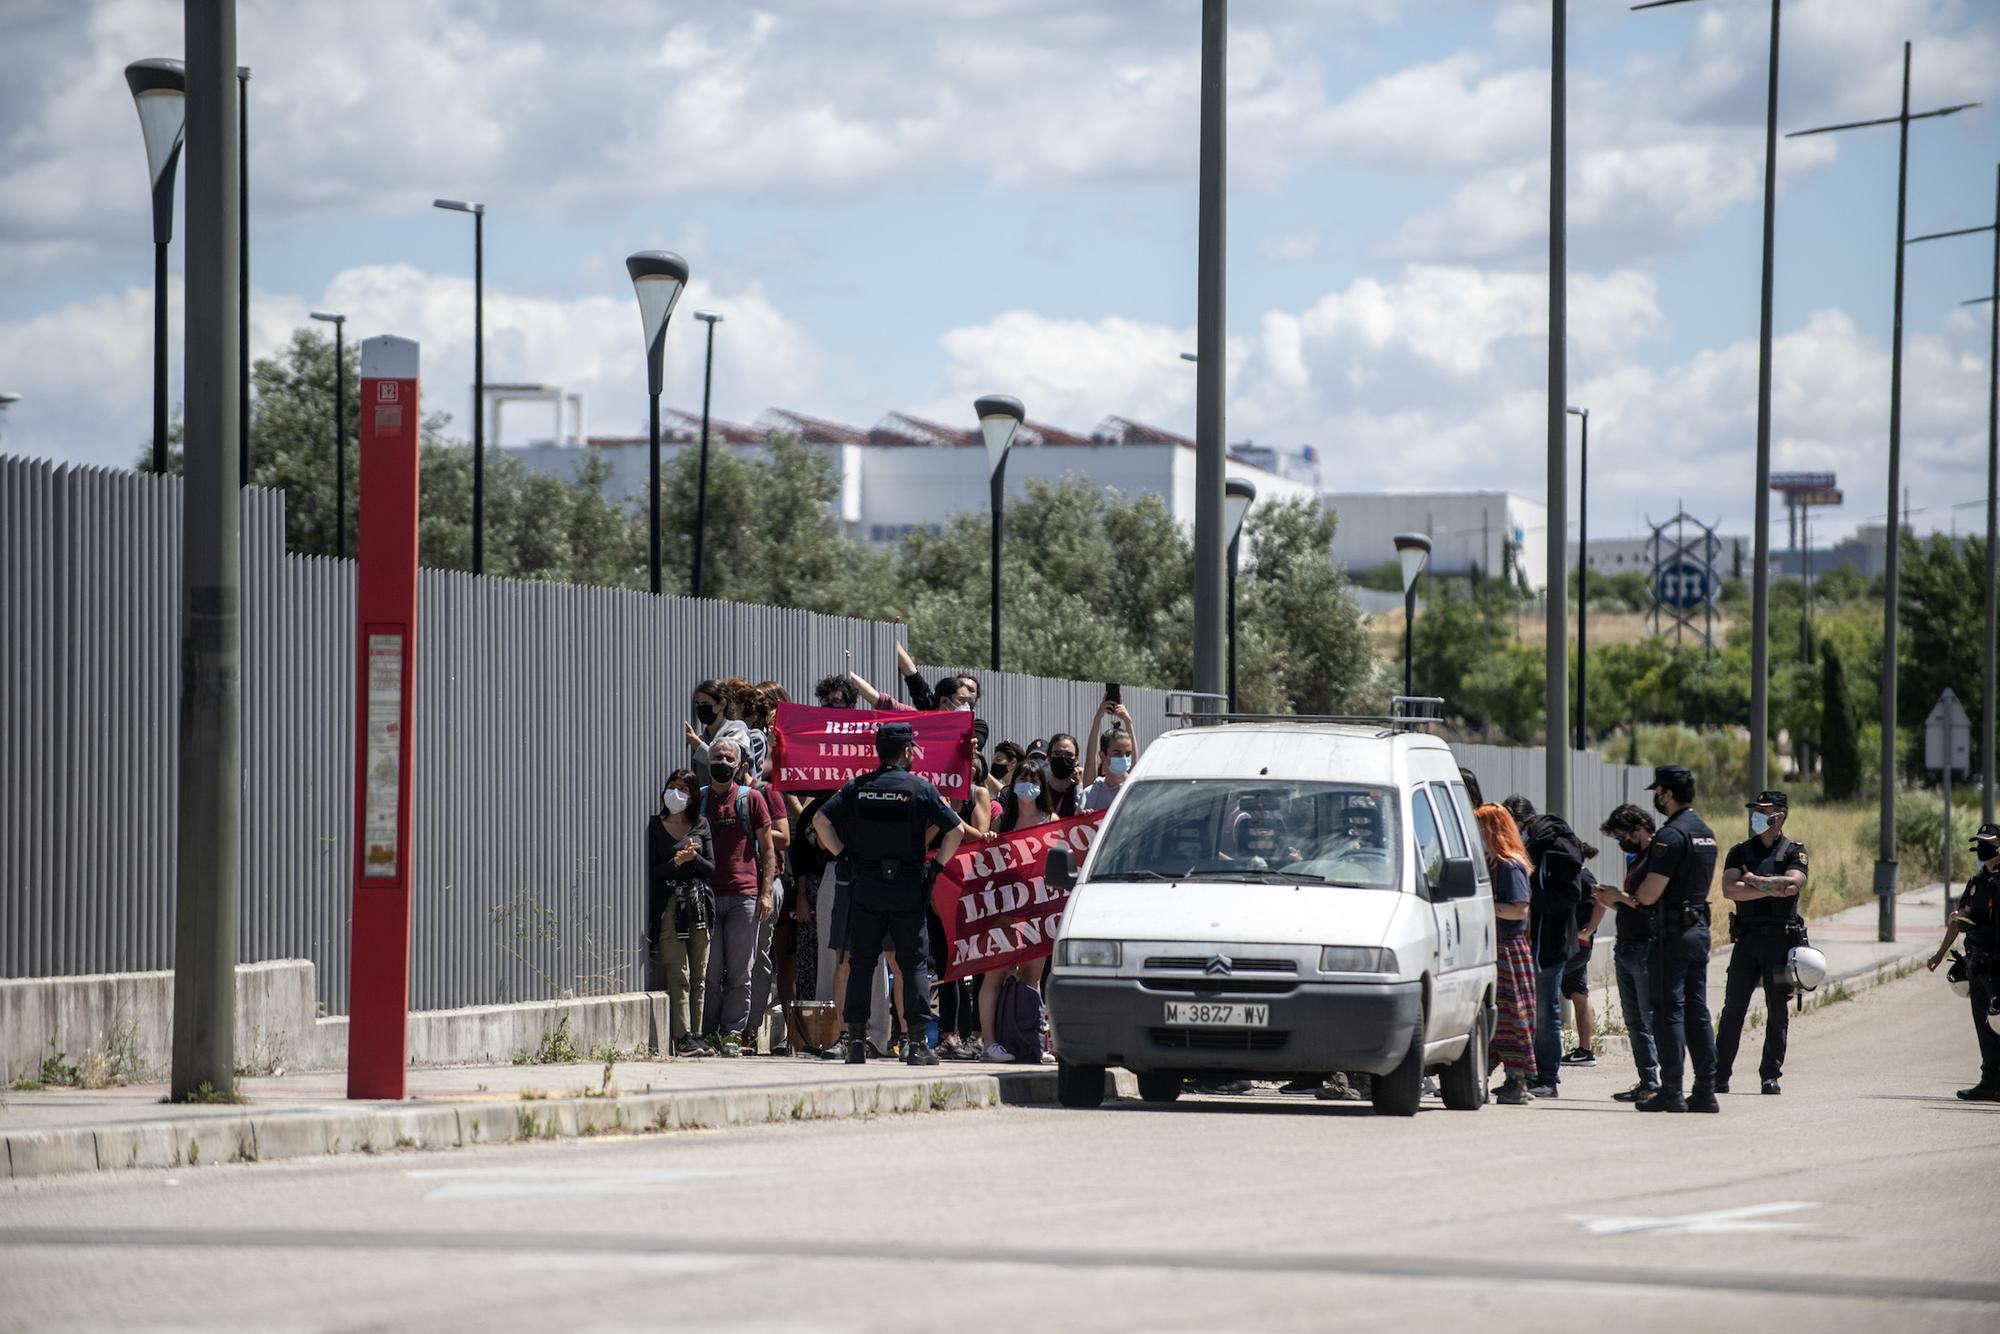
(1208,1014)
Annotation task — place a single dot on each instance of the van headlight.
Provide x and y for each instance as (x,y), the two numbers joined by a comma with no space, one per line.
(1356,959)
(1089,954)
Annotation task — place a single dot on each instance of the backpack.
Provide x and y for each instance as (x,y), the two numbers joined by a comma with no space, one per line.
(1558,857)
(1018,1021)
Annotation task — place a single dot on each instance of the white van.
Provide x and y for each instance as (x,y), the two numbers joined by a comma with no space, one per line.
(1280,899)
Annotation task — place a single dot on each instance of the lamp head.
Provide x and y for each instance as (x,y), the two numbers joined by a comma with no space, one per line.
(1000,416)
(328,316)
(1190,356)
(658,277)
(1578,412)
(159,91)
(1238,494)
(6,398)
(1413,551)
(459,206)
(710,317)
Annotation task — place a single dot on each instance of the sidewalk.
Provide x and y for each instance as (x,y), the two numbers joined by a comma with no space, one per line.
(307,1114)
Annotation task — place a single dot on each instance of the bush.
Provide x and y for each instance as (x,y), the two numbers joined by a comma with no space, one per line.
(1920,836)
(1719,760)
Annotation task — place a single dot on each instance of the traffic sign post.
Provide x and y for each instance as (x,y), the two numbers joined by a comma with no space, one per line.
(379,971)
(1947,746)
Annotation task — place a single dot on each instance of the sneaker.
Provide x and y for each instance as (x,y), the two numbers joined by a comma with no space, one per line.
(730,1045)
(1981,1093)
(999,1055)
(747,1044)
(1636,1092)
(1336,1089)
(1769,1086)
(1302,1087)
(895,1047)
(1514,1092)
(1225,1088)
(781,1049)
(1543,1091)
(1721,1084)
(1581,1056)
(1703,1100)
(1663,1100)
(692,1048)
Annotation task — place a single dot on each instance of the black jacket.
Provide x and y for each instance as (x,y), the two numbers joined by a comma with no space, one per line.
(663,877)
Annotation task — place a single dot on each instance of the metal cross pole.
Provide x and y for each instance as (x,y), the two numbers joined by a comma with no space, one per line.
(1555,727)
(1211,287)
(1760,574)
(1885,865)
(211,768)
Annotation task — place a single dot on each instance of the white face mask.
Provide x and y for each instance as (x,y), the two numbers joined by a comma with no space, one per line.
(1027,793)
(677,800)
(1119,765)
(1759,822)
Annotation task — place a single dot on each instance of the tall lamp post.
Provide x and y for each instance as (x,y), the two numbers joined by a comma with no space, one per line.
(1556,644)
(711,319)
(478,212)
(159,89)
(1413,552)
(339,323)
(1211,450)
(243,275)
(1238,494)
(1885,864)
(658,277)
(1582,579)
(1000,416)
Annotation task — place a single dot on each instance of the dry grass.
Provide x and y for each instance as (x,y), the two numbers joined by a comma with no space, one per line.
(1606,627)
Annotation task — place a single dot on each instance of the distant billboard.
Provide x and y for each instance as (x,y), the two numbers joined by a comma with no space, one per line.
(1794,483)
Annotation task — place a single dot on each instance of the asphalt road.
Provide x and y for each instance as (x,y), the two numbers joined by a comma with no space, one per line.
(1863,1198)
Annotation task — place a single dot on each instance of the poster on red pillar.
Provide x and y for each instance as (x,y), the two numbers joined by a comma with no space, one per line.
(994,902)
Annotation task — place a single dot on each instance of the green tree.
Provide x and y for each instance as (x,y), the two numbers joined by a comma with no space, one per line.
(1942,641)
(1298,598)
(1839,755)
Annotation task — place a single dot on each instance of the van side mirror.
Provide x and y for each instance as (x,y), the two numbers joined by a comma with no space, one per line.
(1060,870)
(1459,881)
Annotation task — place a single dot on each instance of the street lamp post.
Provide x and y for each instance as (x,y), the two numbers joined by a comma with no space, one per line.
(339,323)
(1000,416)
(1885,865)
(1211,451)
(243,275)
(711,319)
(658,277)
(1413,552)
(1582,581)
(478,212)
(1556,644)
(159,89)
(1238,494)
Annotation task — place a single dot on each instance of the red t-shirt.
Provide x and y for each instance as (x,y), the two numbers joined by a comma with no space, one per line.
(735,846)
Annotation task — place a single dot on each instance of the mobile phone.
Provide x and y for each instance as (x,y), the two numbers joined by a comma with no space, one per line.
(1114,692)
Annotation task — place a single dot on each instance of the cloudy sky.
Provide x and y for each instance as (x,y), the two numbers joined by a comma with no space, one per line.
(899,204)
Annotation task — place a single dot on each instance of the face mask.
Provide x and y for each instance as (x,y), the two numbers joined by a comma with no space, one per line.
(1633,849)
(1119,764)
(704,714)
(1000,771)
(1027,793)
(963,706)
(1659,803)
(1062,766)
(1759,822)
(722,771)
(676,800)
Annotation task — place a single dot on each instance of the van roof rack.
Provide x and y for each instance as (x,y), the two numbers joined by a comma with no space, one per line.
(1407,713)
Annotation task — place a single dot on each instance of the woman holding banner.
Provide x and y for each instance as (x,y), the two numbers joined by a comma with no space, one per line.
(1026,803)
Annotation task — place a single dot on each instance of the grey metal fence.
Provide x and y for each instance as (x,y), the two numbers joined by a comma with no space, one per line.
(546,717)
(1595,786)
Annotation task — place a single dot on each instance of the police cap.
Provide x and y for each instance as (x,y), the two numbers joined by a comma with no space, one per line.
(1673,779)
(894,736)
(1771,797)
(1988,834)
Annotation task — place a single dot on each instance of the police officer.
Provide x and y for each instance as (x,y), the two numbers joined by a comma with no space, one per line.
(1679,868)
(1763,876)
(882,821)
(1978,919)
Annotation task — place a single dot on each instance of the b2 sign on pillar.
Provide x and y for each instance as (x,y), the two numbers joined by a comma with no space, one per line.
(379,980)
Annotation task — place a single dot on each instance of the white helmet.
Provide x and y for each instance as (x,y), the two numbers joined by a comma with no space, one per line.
(1805,967)
(1960,980)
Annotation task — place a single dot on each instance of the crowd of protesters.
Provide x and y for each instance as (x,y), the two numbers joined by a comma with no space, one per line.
(742,899)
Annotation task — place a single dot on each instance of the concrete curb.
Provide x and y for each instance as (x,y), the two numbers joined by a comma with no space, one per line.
(278,1134)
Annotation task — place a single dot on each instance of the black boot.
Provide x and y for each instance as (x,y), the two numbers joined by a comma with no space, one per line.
(1703,1099)
(857,1051)
(1666,1100)
(1981,1092)
(918,1052)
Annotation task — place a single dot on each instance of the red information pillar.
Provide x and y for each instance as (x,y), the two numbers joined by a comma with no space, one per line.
(379,980)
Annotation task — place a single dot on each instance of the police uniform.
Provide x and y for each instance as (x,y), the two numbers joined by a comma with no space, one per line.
(884,819)
(1980,905)
(1683,850)
(1763,930)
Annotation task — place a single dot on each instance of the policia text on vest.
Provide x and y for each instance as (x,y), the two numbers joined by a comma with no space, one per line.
(881,822)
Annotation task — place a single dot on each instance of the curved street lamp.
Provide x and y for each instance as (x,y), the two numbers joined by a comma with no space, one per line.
(711,319)
(658,277)
(1238,493)
(159,90)
(339,323)
(478,212)
(1413,552)
(1000,416)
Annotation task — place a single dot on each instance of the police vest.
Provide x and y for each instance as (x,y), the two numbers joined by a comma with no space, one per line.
(1768,914)
(890,830)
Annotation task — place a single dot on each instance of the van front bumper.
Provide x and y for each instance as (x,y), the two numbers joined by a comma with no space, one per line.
(1315,1028)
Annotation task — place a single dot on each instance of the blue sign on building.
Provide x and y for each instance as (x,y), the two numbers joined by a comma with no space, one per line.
(1684,585)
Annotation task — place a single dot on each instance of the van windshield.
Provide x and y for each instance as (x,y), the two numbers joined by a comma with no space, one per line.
(1257,830)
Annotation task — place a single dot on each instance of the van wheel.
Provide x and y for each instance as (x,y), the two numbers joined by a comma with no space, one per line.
(1398,1092)
(1463,1082)
(1079,1085)
(1159,1087)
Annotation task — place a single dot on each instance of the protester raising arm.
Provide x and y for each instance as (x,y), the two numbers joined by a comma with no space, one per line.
(1108,709)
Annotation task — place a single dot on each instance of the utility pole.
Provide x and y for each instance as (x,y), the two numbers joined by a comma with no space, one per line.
(1210,447)
(211,631)
(1556,727)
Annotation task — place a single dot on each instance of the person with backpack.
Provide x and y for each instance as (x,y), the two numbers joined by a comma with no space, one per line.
(1012,1017)
(739,821)
(1556,891)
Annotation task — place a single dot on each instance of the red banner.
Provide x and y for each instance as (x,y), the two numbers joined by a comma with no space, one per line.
(818,750)
(994,903)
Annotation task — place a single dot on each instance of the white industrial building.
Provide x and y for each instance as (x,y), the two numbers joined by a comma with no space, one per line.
(1488,532)
(905,472)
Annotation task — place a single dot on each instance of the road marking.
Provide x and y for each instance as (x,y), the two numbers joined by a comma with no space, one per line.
(1746,1219)
(477,1183)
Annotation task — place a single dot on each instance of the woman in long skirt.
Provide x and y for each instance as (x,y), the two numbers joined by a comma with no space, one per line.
(1513,1041)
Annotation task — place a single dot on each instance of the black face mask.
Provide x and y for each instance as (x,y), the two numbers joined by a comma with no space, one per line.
(722,771)
(1660,802)
(1062,766)
(1634,848)
(1000,770)
(704,714)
